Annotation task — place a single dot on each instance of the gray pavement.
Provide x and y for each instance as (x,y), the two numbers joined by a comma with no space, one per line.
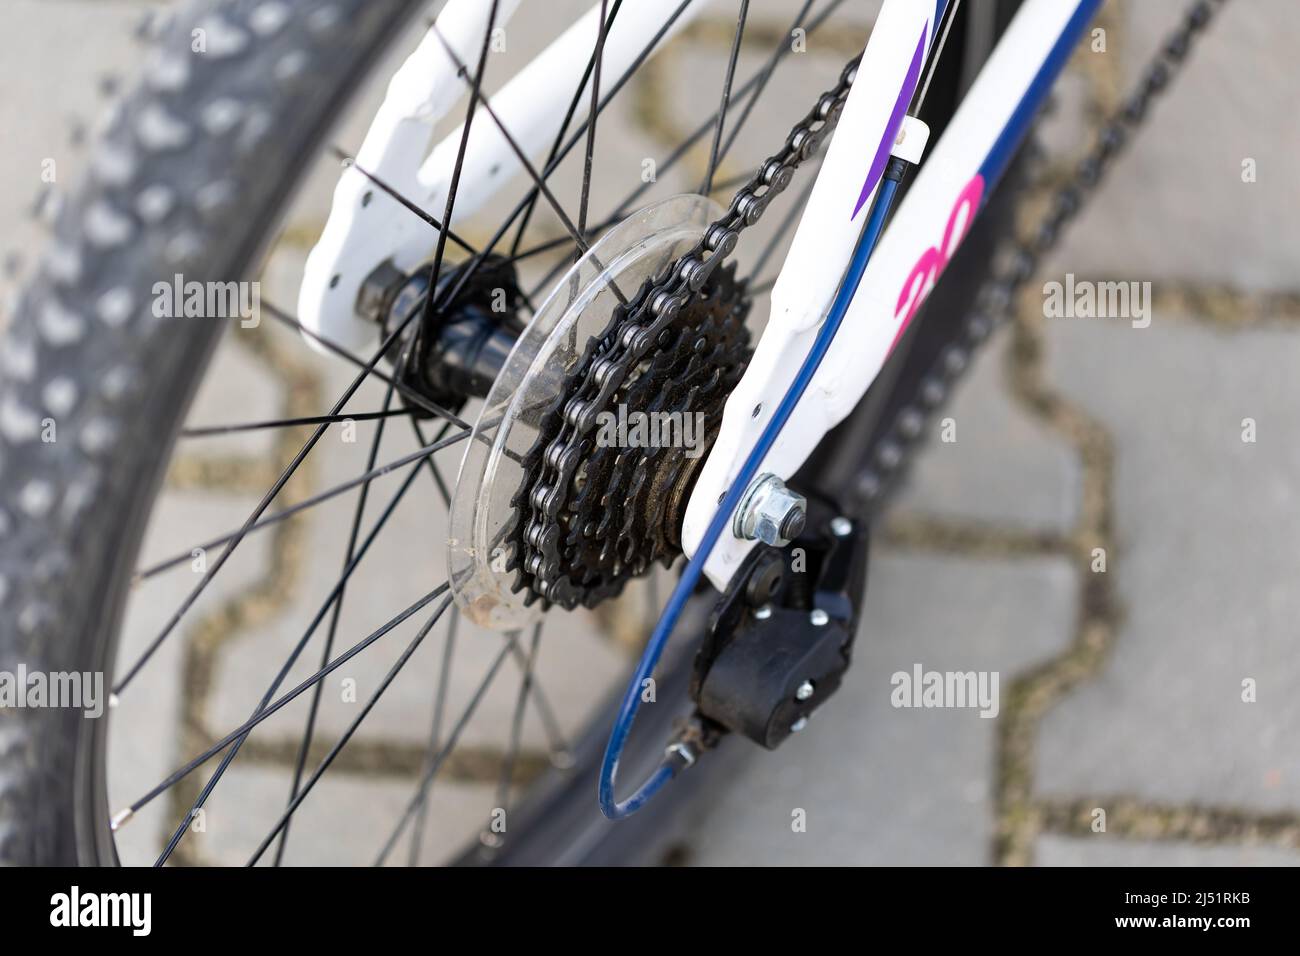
(1120,690)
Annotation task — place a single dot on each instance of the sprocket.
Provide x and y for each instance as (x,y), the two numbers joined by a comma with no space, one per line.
(602,501)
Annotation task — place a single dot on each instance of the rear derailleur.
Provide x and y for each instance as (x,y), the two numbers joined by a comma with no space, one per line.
(779,640)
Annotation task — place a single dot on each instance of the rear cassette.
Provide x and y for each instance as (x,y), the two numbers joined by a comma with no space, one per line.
(606,502)
(546,505)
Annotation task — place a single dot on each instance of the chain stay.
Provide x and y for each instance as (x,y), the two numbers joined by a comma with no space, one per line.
(993,300)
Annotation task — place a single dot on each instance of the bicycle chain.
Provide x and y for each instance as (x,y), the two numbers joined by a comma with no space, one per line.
(635,328)
(993,300)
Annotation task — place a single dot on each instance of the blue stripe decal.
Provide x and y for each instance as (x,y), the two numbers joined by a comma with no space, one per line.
(995,163)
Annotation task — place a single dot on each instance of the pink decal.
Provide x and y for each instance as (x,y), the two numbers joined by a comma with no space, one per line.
(935,259)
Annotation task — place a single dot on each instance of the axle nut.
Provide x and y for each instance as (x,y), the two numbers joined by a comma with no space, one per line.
(770,512)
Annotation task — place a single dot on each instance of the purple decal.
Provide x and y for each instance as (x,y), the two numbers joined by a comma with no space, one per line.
(895,120)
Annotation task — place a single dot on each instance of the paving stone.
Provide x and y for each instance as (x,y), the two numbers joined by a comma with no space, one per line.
(688,87)
(884,785)
(181,520)
(1206,527)
(1063,129)
(143,743)
(345,823)
(575,666)
(237,383)
(1205,524)
(1005,467)
(621,145)
(1108,851)
(1176,206)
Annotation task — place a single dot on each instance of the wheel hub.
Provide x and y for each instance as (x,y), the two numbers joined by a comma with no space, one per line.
(456,352)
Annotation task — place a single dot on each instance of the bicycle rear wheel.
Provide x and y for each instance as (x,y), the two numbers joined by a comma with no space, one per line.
(193,177)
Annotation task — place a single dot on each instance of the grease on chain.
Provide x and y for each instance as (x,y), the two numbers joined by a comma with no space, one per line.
(634,329)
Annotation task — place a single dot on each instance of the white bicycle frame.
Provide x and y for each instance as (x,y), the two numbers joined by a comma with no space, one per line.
(936,214)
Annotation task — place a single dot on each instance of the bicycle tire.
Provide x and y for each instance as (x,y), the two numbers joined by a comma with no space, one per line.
(190,176)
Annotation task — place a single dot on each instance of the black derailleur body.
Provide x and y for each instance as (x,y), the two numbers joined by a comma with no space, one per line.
(779,641)
(454,353)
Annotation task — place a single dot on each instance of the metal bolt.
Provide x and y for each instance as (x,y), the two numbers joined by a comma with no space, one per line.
(868,486)
(804,691)
(799,725)
(764,612)
(841,527)
(770,512)
(819,617)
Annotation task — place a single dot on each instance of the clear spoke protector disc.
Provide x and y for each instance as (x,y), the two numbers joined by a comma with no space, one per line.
(482,513)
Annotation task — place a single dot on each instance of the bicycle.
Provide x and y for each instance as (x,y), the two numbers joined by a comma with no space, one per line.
(637,314)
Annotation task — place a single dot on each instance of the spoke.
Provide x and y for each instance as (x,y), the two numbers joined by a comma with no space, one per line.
(516,733)
(560,753)
(426,780)
(352,729)
(468,273)
(578,232)
(435,268)
(559,136)
(752,88)
(253,519)
(435,733)
(348,555)
(554,736)
(778,55)
(591,127)
(335,594)
(208,430)
(555,243)
(538,181)
(349,162)
(295,654)
(303,505)
(280,315)
(443,490)
(120,818)
(726,98)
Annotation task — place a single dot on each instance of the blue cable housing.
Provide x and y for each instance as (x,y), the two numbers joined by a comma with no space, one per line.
(609,804)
